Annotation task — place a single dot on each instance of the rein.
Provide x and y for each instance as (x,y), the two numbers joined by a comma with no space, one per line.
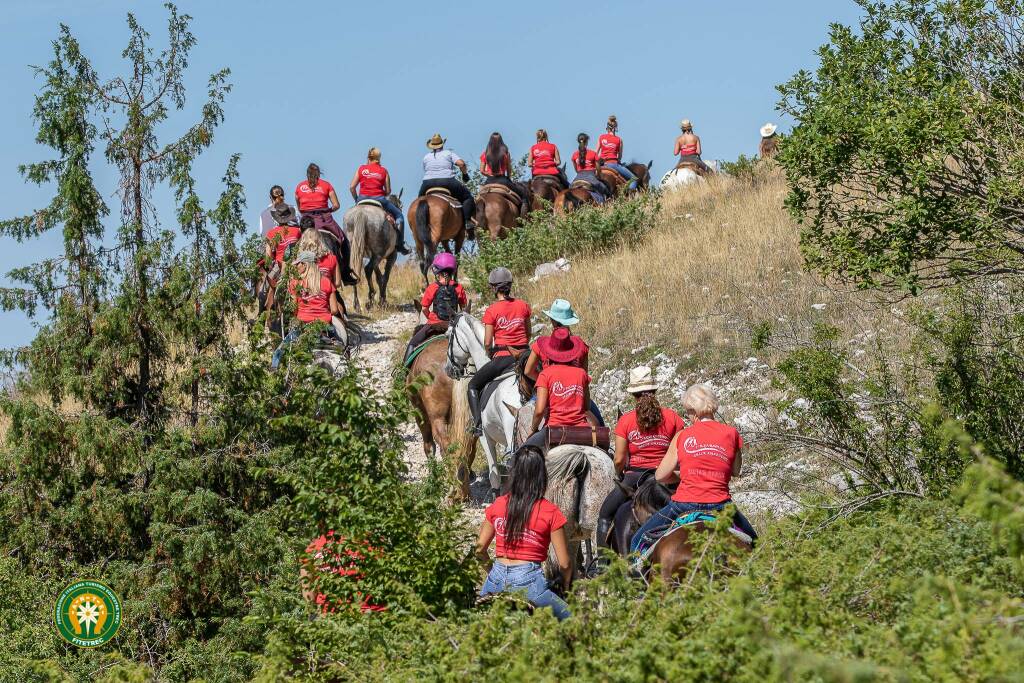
(452,367)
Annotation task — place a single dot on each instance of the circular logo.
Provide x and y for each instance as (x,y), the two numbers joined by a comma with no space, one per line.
(87,613)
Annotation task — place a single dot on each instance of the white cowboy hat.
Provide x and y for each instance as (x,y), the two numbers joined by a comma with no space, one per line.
(768,130)
(641,379)
(685,123)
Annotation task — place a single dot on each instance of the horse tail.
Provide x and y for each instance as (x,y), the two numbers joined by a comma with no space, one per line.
(357,238)
(462,443)
(423,223)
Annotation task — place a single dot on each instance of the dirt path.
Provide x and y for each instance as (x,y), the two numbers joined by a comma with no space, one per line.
(381,345)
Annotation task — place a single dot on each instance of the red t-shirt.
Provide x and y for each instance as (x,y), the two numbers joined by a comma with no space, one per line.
(706,453)
(543,156)
(533,544)
(372,178)
(589,161)
(646,449)
(327,265)
(428,298)
(566,385)
(309,198)
(609,147)
(509,318)
(579,363)
(283,236)
(316,306)
(326,559)
(485,168)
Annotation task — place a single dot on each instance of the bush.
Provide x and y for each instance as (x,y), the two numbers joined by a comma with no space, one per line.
(543,237)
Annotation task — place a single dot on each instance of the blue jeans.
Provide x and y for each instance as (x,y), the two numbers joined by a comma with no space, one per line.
(668,514)
(624,172)
(387,206)
(293,335)
(505,578)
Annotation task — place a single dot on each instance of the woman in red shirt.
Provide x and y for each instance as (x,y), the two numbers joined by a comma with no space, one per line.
(703,458)
(313,303)
(523,524)
(642,437)
(326,261)
(688,146)
(506,337)
(495,166)
(279,238)
(563,388)
(609,151)
(545,160)
(442,299)
(316,197)
(585,162)
(372,181)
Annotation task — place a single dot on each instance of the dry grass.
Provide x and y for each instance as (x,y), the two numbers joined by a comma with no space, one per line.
(725,257)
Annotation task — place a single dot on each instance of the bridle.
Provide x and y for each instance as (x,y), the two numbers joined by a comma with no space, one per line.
(452,367)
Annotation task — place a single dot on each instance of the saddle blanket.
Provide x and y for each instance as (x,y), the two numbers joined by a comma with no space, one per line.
(650,540)
(419,349)
(444,194)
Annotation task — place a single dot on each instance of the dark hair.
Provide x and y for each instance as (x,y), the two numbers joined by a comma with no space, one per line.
(542,135)
(529,481)
(312,175)
(648,411)
(504,288)
(583,139)
(495,154)
(613,124)
(306,222)
(277,188)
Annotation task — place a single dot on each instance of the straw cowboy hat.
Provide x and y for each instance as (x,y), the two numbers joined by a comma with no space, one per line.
(561,346)
(641,379)
(768,130)
(685,124)
(436,142)
(561,311)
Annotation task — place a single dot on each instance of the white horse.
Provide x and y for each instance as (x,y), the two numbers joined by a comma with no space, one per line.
(680,177)
(466,354)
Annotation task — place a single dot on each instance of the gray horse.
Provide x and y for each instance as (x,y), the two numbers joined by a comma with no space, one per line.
(372,238)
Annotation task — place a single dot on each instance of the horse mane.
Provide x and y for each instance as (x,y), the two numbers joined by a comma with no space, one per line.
(651,496)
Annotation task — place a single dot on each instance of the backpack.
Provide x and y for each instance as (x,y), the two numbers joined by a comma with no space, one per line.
(446,302)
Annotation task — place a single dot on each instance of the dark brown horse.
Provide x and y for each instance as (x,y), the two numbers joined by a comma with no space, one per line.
(497,209)
(442,413)
(433,220)
(619,185)
(675,551)
(545,188)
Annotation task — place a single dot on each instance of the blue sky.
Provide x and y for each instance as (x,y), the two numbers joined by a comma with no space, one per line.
(324,84)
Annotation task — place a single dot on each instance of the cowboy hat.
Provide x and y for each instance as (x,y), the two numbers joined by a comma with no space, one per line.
(436,142)
(640,380)
(284,215)
(768,130)
(685,123)
(561,311)
(561,346)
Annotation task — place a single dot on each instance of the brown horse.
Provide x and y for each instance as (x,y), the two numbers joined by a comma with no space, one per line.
(572,199)
(442,413)
(545,188)
(674,551)
(497,209)
(619,185)
(433,220)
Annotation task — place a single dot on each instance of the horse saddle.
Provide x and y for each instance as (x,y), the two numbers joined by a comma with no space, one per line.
(501,190)
(492,386)
(548,179)
(693,166)
(445,194)
(375,202)
(582,185)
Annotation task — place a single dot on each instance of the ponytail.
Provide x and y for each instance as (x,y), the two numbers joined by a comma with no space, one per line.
(613,124)
(583,139)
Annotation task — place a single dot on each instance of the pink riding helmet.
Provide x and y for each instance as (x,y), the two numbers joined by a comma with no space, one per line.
(444,261)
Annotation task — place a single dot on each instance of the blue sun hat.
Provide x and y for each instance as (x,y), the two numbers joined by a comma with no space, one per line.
(561,312)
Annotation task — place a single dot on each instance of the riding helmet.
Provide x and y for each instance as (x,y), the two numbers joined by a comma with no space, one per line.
(444,261)
(499,276)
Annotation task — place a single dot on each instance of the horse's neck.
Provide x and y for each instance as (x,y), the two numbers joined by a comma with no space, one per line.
(473,337)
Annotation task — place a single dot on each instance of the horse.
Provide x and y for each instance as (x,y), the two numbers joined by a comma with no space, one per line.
(433,220)
(466,354)
(675,550)
(681,176)
(618,184)
(373,238)
(496,210)
(579,479)
(442,411)
(545,188)
(572,198)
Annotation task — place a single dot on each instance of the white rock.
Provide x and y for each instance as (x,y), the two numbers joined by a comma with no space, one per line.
(818,307)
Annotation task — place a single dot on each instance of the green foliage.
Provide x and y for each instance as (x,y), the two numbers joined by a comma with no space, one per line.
(543,237)
(904,162)
(744,168)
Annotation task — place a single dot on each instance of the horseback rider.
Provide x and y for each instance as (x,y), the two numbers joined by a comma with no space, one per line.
(316,197)
(326,262)
(545,160)
(280,238)
(563,388)
(277,204)
(702,458)
(495,166)
(585,162)
(642,437)
(439,167)
(313,301)
(506,337)
(769,144)
(688,147)
(523,523)
(372,181)
(609,152)
(442,299)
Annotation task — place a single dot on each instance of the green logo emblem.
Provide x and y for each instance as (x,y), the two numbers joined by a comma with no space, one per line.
(87,613)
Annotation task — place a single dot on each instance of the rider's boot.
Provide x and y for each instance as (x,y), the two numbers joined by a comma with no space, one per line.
(474,408)
(400,245)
